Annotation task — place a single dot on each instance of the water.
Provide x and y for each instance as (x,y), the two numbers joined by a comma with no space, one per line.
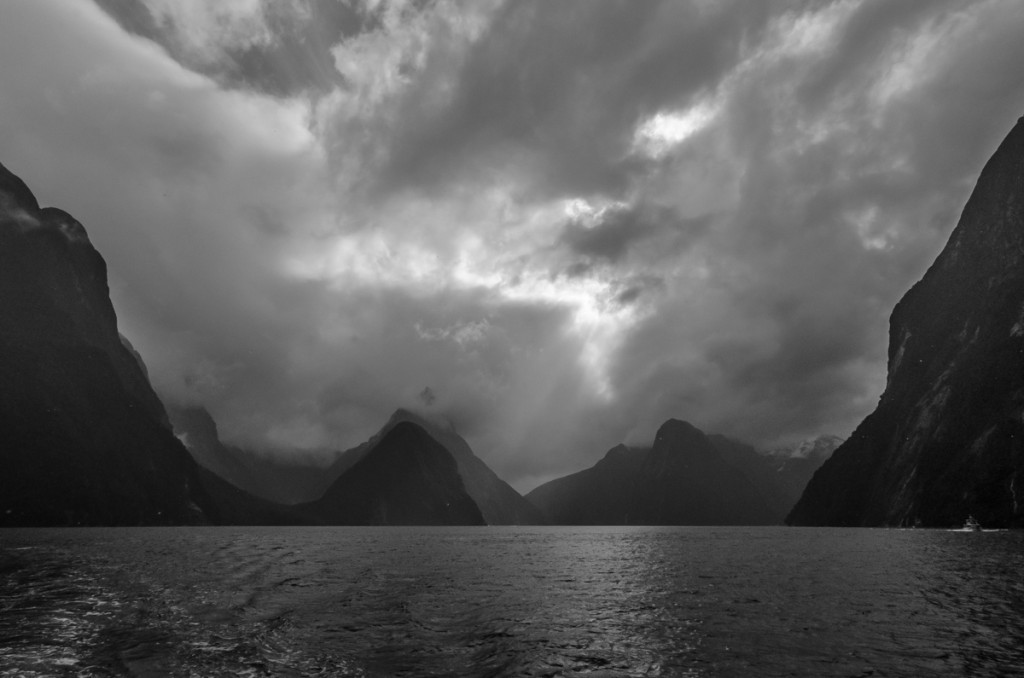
(510,602)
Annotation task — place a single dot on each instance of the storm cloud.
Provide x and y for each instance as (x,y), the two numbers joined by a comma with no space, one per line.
(566,222)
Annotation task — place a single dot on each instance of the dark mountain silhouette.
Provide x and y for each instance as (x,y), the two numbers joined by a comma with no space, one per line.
(83,437)
(295,480)
(681,480)
(760,470)
(780,475)
(404,478)
(685,481)
(234,506)
(794,467)
(947,437)
(599,495)
(498,501)
(290,479)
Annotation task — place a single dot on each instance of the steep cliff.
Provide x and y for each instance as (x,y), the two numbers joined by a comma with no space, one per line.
(83,437)
(947,437)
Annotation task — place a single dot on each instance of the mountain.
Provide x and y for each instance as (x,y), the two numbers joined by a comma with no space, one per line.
(947,437)
(599,495)
(760,469)
(682,479)
(498,501)
(290,480)
(301,481)
(795,466)
(83,437)
(816,450)
(234,506)
(685,481)
(780,475)
(404,478)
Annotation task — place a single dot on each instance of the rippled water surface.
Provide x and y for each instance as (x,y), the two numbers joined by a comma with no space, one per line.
(510,602)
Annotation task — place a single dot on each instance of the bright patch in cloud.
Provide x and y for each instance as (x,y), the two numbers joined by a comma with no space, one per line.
(917,60)
(872,237)
(664,131)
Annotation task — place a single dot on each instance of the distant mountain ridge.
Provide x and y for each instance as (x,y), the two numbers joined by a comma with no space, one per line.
(682,479)
(820,447)
(498,503)
(599,495)
(780,474)
(947,437)
(280,479)
(293,482)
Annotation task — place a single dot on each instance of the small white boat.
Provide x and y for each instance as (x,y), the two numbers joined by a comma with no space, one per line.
(970,525)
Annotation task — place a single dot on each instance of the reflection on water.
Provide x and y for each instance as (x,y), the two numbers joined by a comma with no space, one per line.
(510,602)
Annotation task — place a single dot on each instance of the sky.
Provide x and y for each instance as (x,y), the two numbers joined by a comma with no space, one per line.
(554,224)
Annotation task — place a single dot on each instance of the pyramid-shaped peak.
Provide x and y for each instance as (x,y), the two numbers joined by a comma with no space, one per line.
(435,425)
(407,432)
(402,414)
(676,430)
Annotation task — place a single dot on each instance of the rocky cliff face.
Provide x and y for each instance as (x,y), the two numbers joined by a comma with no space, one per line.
(682,479)
(405,478)
(947,437)
(83,437)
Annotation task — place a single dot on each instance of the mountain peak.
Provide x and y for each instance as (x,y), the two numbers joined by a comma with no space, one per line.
(403,414)
(406,478)
(617,451)
(14,190)
(408,432)
(676,433)
(620,454)
(499,503)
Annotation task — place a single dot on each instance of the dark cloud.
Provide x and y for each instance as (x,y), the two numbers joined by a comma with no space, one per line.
(616,229)
(555,90)
(634,288)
